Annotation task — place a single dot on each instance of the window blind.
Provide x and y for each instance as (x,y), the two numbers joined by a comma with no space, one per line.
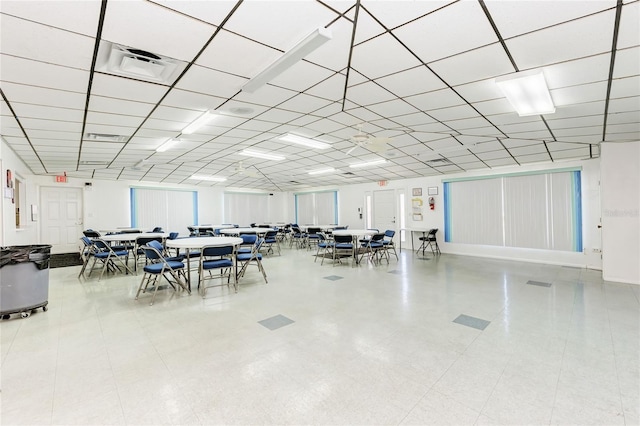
(534,210)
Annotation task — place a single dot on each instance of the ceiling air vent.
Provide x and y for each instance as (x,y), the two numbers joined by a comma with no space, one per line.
(94,163)
(438,162)
(137,63)
(104,137)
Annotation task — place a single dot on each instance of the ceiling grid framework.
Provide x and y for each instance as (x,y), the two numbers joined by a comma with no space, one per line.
(419,73)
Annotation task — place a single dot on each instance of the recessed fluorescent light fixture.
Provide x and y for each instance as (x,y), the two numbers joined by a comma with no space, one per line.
(367,164)
(527,92)
(198,122)
(171,143)
(261,154)
(322,171)
(208,178)
(290,57)
(299,140)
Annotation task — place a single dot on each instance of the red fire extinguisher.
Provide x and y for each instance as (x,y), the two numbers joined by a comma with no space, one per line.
(432,203)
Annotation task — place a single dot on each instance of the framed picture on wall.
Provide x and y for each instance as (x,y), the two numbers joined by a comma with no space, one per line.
(432,190)
(416,192)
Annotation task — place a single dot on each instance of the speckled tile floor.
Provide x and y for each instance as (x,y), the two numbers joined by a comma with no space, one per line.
(370,348)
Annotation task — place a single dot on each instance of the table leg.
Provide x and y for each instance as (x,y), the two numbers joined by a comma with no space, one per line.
(189,270)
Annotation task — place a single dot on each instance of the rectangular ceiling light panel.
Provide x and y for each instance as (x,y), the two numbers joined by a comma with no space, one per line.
(288,59)
(299,140)
(209,178)
(367,164)
(199,122)
(527,92)
(170,144)
(261,154)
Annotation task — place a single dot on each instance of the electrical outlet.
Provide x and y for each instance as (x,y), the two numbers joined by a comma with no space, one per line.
(597,250)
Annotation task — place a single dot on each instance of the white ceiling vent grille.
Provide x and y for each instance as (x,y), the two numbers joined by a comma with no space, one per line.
(137,63)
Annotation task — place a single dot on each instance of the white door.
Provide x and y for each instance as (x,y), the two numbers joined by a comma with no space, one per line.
(61,218)
(384,210)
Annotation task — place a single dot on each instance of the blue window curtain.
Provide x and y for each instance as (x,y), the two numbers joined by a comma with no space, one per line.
(316,208)
(528,210)
(173,210)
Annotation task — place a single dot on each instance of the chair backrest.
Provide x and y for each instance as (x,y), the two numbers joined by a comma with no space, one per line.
(296,229)
(271,234)
(101,245)
(87,242)
(431,236)
(156,244)
(248,239)
(217,251)
(173,235)
(157,229)
(389,233)
(144,241)
(341,239)
(91,233)
(258,244)
(313,230)
(130,231)
(377,237)
(152,251)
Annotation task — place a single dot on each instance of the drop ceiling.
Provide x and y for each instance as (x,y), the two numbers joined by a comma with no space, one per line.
(420,73)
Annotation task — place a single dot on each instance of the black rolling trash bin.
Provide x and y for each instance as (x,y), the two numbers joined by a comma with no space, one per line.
(24,279)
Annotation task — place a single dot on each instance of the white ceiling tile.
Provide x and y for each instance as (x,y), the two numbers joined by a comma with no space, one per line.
(631,103)
(279,24)
(334,54)
(303,103)
(629,26)
(52,113)
(532,158)
(393,13)
(45,43)
(33,73)
(514,18)
(43,96)
(113,119)
(367,94)
(79,17)
(331,88)
(301,76)
(469,20)
(480,90)
(210,82)
(625,87)
(221,55)
(434,100)
(213,13)
(583,37)
(366,57)
(487,61)
(411,82)
(393,108)
(627,63)
(119,106)
(192,100)
(453,113)
(122,26)
(579,94)
(579,71)
(578,110)
(124,88)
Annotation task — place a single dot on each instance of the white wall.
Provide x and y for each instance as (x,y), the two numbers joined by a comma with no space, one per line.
(351,197)
(28,232)
(620,187)
(107,205)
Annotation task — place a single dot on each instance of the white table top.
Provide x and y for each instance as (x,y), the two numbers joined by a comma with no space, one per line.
(199,242)
(355,232)
(236,231)
(110,230)
(133,237)
(211,226)
(322,227)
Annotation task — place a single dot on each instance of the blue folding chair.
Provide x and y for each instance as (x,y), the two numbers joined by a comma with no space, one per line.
(160,267)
